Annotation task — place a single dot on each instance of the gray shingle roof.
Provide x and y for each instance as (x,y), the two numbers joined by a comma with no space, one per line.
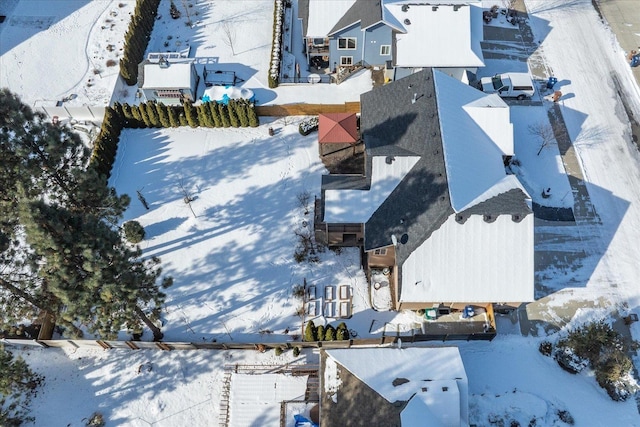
(367,12)
(393,125)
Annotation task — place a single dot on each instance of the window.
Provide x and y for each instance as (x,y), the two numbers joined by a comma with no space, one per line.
(347,43)
(382,251)
(385,50)
(346,61)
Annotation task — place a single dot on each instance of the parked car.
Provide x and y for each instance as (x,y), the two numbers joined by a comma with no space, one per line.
(508,85)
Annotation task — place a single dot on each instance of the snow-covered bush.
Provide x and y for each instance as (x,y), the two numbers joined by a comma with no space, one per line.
(598,346)
(308,126)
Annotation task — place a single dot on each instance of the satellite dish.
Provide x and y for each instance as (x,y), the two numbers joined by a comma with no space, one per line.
(394,240)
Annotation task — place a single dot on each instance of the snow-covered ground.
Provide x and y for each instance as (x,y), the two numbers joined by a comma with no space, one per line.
(233,260)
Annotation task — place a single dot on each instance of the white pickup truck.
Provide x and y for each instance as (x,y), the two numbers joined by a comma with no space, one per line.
(508,85)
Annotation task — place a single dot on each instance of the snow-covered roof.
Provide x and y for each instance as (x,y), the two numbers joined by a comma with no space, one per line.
(323,15)
(174,75)
(358,205)
(477,261)
(476,133)
(437,405)
(437,34)
(422,368)
(257,398)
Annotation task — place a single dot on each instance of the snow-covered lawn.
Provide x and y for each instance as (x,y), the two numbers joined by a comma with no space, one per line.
(233,260)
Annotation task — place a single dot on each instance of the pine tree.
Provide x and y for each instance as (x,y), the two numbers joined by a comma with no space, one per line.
(342,333)
(320,332)
(191,114)
(19,382)
(59,244)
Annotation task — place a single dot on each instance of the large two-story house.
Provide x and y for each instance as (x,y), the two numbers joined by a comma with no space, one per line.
(436,208)
(399,35)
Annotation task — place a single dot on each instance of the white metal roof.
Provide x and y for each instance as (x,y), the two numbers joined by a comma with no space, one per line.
(437,405)
(324,14)
(472,262)
(343,206)
(175,75)
(476,133)
(438,35)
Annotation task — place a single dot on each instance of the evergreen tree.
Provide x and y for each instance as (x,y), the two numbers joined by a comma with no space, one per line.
(233,117)
(213,110)
(137,116)
(310,332)
(153,114)
(241,111)
(253,117)
(182,117)
(342,333)
(191,115)
(329,333)
(173,116)
(320,333)
(60,246)
(224,115)
(18,386)
(203,117)
(163,115)
(142,107)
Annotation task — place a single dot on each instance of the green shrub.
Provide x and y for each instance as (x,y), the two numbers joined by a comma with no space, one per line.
(342,333)
(278,351)
(546,348)
(330,333)
(310,332)
(296,351)
(133,231)
(320,333)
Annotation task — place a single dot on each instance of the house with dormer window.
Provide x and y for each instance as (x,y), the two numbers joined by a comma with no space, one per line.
(436,210)
(401,36)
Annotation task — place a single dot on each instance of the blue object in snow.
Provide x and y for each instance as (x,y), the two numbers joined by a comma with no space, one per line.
(635,61)
(468,312)
(303,422)
(551,82)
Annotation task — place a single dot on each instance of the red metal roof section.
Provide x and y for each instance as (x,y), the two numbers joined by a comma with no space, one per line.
(337,128)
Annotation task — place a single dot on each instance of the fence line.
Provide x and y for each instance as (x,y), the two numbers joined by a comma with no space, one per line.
(306,109)
(168,346)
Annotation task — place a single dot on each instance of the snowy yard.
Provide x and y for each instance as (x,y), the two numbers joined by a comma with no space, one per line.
(232,256)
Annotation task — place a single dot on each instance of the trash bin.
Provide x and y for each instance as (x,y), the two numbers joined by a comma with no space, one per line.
(551,82)
(635,61)
(468,312)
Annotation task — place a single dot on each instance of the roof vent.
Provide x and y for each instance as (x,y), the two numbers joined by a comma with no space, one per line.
(404,239)
(489,218)
(434,8)
(461,219)
(517,218)
(389,160)
(407,22)
(456,7)
(405,7)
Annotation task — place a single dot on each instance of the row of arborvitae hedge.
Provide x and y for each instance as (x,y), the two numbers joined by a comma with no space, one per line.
(276,43)
(328,333)
(137,38)
(238,113)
